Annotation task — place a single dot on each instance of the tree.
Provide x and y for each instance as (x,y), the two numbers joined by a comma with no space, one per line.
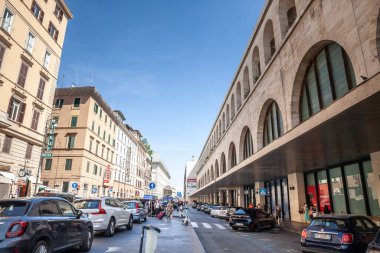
(147,145)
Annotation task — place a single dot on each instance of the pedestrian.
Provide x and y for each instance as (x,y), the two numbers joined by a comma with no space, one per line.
(157,208)
(250,205)
(180,211)
(169,210)
(278,215)
(326,209)
(311,213)
(306,214)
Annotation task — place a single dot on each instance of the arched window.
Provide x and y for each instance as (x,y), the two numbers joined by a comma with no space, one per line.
(220,128)
(246,82)
(269,43)
(224,122)
(212,173)
(292,16)
(232,106)
(228,114)
(232,155)
(273,126)
(287,15)
(238,96)
(216,168)
(223,163)
(248,145)
(256,69)
(329,76)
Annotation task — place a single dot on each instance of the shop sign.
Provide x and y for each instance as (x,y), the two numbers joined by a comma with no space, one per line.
(107,178)
(21,182)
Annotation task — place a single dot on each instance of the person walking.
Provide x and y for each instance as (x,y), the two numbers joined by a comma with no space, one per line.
(278,215)
(157,208)
(306,214)
(169,210)
(180,209)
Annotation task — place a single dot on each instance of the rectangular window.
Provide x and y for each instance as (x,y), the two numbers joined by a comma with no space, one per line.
(45,183)
(53,31)
(58,12)
(100,113)
(69,164)
(106,119)
(7,20)
(65,186)
(96,108)
(55,120)
(95,169)
(58,103)
(108,153)
(109,139)
(71,141)
(16,110)
(113,142)
(35,119)
(30,43)
(22,75)
(313,90)
(311,190)
(97,148)
(323,191)
(48,163)
(76,102)
(2,52)
(100,171)
(74,121)
(103,147)
(371,183)
(324,79)
(93,125)
(98,130)
(41,89)
(337,190)
(47,60)
(88,167)
(355,189)
(104,135)
(37,11)
(29,149)
(7,144)
(91,141)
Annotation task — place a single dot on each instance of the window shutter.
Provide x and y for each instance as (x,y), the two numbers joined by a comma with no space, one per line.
(41,89)
(10,107)
(41,18)
(56,34)
(2,51)
(33,6)
(22,75)
(21,113)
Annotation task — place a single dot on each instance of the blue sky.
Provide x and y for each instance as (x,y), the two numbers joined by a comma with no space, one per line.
(167,64)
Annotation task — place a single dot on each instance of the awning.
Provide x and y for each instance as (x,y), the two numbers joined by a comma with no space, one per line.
(8,175)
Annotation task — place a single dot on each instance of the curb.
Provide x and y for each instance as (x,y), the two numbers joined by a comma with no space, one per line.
(197,241)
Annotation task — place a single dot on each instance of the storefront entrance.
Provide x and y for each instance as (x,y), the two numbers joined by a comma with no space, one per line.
(249,196)
(277,194)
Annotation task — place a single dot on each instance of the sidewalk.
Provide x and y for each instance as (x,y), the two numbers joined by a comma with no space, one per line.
(292,226)
(175,237)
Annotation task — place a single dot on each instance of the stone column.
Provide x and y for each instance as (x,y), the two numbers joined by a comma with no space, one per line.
(296,187)
(259,198)
(240,195)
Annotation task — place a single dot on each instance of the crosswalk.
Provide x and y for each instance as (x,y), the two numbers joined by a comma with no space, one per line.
(209,225)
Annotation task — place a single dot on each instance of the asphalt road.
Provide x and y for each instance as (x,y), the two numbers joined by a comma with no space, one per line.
(217,236)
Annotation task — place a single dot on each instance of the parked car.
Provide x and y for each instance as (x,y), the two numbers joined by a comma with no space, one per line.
(208,209)
(43,225)
(338,233)
(106,214)
(199,206)
(216,211)
(252,218)
(137,209)
(374,246)
(204,207)
(230,210)
(69,197)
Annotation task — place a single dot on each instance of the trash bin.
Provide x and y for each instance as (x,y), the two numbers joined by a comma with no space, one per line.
(151,239)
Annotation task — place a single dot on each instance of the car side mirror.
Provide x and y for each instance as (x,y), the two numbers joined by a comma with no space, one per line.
(79,214)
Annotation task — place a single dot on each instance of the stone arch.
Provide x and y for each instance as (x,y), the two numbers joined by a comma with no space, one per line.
(260,127)
(242,142)
(223,165)
(246,84)
(232,158)
(223,122)
(238,96)
(271,119)
(287,12)
(269,41)
(217,172)
(220,129)
(256,66)
(212,174)
(300,75)
(232,106)
(228,115)
(208,176)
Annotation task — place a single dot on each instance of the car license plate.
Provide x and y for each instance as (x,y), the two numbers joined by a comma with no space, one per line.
(239,224)
(322,236)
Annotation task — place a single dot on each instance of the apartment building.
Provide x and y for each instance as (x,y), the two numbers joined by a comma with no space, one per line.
(32,33)
(84,153)
(160,175)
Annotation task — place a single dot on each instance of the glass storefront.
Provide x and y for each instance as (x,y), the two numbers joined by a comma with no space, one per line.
(350,188)
(249,196)
(277,194)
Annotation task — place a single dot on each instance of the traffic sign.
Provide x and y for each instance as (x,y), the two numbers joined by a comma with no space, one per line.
(179,194)
(263,191)
(152,185)
(47,155)
(94,190)
(74,185)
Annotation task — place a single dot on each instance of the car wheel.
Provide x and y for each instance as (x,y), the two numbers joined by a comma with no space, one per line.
(259,227)
(41,247)
(86,246)
(111,228)
(130,223)
(234,228)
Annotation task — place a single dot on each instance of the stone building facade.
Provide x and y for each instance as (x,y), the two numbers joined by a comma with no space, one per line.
(31,40)
(299,123)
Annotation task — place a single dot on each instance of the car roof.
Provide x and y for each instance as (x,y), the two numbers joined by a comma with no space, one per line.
(32,199)
(340,216)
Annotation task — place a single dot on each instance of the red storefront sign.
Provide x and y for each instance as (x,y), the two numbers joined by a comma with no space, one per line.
(107,178)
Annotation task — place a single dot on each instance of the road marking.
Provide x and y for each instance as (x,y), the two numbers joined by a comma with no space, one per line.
(194,224)
(206,225)
(219,226)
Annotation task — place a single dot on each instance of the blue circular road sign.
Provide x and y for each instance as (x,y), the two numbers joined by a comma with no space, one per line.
(152,185)
(74,185)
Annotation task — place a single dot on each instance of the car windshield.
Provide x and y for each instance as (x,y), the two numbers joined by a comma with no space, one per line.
(129,205)
(11,208)
(329,223)
(87,204)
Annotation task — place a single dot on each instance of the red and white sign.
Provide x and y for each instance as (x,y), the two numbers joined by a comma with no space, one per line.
(107,178)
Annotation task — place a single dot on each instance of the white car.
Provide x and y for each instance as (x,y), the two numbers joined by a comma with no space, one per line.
(216,210)
(106,214)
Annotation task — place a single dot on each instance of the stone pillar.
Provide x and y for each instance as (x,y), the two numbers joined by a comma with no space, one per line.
(259,198)
(220,197)
(296,187)
(240,194)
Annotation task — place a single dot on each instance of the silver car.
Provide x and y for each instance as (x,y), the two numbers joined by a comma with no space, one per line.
(136,207)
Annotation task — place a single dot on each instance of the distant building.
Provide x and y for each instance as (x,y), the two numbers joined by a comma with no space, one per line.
(190,179)
(160,175)
(31,39)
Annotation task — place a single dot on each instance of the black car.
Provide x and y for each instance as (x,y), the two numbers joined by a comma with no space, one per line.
(43,225)
(374,246)
(69,197)
(338,233)
(252,218)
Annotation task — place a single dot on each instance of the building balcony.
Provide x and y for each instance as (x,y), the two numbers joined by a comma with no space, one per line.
(4,121)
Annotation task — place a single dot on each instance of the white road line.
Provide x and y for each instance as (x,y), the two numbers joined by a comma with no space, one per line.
(219,226)
(194,224)
(206,225)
